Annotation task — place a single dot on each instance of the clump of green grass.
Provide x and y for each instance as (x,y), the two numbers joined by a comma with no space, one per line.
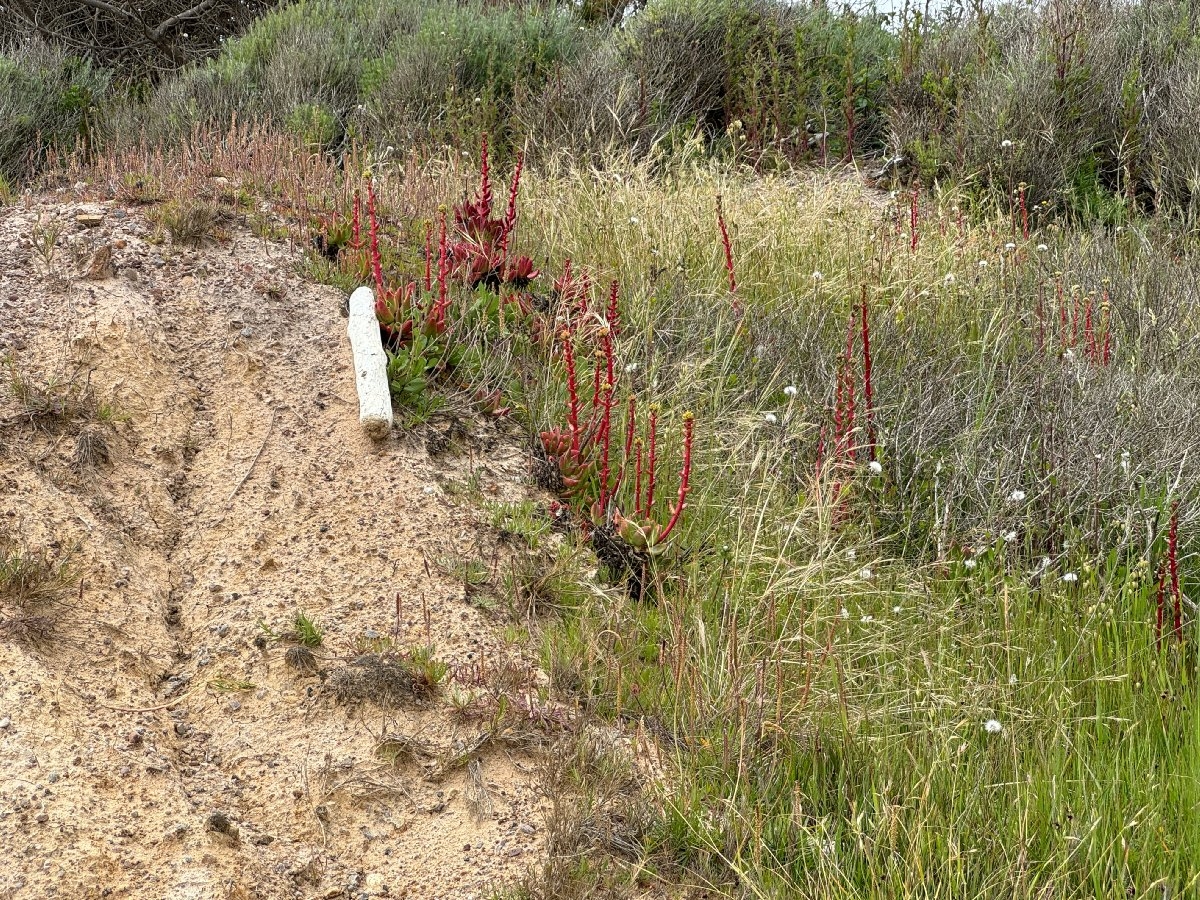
(33,584)
(191,223)
(53,403)
(522,520)
(305,631)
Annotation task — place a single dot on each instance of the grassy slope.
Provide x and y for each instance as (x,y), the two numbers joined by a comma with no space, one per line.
(819,674)
(827,675)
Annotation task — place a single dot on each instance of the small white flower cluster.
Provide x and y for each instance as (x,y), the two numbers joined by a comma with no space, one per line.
(1017,496)
(876,467)
(771,419)
(790,391)
(993,726)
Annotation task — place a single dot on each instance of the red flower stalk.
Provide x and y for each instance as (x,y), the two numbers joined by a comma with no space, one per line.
(1089,334)
(684,477)
(727,245)
(1173,569)
(1160,603)
(429,257)
(1074,318)
(613,314)
(868,387)
(597,372)
(376,262)
(605,441)
(609,358)
(510,214)
(914,221)
(652,460)
(1024,212)
(572,392)
(485,180)
(443,300)
(637,480)
(356,221)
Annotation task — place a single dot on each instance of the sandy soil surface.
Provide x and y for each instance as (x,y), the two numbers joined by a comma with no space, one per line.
(160,745)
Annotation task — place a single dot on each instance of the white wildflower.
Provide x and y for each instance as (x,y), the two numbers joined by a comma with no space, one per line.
(1070,578)
(1042,248)
(949,279)
(1010,246)
(876,467)
(845,613)
(790,390)
(983,264)
(771,419)
(868,618)
(992,726)
(1010,536)
(633,220)
(631,367)
(1017,496)
(865,574)
(970,564)
(1006,144)
(1012,679)
(896,609)
(817,276)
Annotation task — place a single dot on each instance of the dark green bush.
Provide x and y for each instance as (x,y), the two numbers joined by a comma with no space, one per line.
(49,100)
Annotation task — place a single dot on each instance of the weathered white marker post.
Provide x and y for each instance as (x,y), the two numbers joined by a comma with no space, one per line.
(370,365)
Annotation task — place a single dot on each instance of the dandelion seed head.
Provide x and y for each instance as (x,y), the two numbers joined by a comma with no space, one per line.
(791,390)
(1006,144)
(1017,496)
(970,564)
(876,467)
(992,726)
(896,609)
(1070,578)
(949,279)
(1010,536)
(771,419)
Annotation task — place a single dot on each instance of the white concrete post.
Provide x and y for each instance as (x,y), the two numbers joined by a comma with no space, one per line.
(370,365)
